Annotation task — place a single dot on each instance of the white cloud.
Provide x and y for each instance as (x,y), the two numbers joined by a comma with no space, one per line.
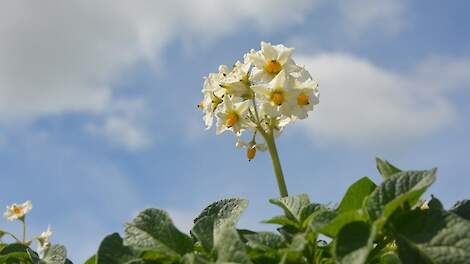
(362,103)
(122,124)
(61,57)
(361,15)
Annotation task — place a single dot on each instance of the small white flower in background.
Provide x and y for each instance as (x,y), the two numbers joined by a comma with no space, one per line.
(43,238)
(18,211)
(262,94)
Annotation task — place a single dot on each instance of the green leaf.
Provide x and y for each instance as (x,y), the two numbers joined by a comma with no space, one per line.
(321,219)
(55,254)
(34,256)
(462,209)
(309,210)
(265,241)
(15,247)
(355,195)
(435,204)
(192,258)
(385,168)
(410,253)
(223,212)
(292,205)
(398,189)
(113,251)
(354,243)
(203,230)
(229,209)
(294,252)
(15,258)
(332,227)
(390,258)
(281,220)
(91,260)
(434,235)
(153,229)
(16,253)
(229,247)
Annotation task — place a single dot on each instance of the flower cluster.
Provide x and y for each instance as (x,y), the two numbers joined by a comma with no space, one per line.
(18,212)
(262,94)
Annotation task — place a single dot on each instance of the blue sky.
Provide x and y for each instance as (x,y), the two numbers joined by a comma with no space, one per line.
(98,116)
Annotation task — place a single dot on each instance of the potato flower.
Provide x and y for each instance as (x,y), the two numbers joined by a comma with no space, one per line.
(18,211)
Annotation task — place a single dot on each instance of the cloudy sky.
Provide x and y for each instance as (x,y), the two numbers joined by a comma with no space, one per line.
(98,116)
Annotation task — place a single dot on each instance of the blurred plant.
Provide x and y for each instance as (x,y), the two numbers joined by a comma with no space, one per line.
(259,96)
(19,250)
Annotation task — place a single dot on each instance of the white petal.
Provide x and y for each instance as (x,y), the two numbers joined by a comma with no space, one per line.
(284,55)
(261,90)
(242,107)
(257,59)
(268,51)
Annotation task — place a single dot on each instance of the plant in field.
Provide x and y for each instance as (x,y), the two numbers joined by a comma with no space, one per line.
(385,223)
(19,251)
(377,223)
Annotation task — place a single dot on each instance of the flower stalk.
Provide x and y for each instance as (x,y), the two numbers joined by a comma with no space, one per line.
(276,164)
(22,220)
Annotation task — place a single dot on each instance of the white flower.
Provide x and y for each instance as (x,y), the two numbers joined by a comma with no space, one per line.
(233,116)
(209,105)
(271,60)
(18,211)
(43,238)
(305,96)
(237,82)
(275,95)
(213,94)
(264,93)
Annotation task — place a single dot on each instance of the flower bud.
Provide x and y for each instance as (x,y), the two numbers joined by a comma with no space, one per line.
(251,153)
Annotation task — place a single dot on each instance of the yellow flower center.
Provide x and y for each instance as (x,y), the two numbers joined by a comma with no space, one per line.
(232,119)
(16,210)
(302,99)
(272,67)
(277,98)
(251,153)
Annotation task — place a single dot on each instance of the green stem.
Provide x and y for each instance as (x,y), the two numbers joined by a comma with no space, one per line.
(24,230)
(276,163)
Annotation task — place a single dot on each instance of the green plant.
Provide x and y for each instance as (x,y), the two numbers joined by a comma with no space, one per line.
(385,223)
(19,251)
